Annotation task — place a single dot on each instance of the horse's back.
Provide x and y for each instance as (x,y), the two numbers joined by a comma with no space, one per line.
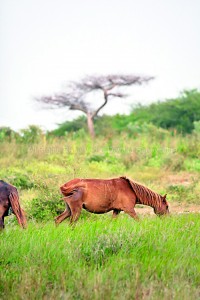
(4,186)
(113,185)
(5,190)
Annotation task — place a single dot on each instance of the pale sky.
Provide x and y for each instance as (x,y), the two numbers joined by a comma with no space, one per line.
(46,43)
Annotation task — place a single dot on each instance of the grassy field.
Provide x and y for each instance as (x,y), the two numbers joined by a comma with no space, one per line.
(102,258)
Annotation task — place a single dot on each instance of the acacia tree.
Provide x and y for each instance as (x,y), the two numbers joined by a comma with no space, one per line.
(75,97)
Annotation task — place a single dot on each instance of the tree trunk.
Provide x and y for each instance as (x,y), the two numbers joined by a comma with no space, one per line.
(90,124)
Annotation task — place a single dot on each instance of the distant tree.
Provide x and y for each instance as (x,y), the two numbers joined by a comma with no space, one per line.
(69,126)
(75,97)
(6,133)
(178,113)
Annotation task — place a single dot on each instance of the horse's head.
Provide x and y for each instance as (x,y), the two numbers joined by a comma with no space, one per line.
(162,209)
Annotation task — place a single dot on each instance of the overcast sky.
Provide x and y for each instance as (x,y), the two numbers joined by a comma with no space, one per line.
(45,43)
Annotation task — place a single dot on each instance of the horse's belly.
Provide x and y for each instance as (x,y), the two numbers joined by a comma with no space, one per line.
(97,205)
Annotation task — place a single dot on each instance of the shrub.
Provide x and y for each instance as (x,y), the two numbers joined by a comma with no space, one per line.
(136,128)
(183,193)
(6,134)
(46,206)
(21,181)
(70,126)
(16,178)
(196,127)
(30,135)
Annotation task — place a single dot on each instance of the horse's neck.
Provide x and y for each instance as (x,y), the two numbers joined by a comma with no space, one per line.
(147,202)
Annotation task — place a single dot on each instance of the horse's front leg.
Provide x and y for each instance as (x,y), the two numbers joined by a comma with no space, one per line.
(2,223)
(131,212)
(2,215)
(116,212)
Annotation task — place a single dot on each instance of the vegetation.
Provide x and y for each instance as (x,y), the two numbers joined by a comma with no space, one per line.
(179,115)
(151,156)
(102,258)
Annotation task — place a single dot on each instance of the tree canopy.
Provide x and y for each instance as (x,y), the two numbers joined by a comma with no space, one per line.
(75,98)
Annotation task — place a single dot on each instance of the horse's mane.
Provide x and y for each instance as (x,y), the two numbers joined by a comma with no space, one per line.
(144,195)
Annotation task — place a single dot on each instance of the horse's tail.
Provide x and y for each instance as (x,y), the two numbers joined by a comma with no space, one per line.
(18,211)
(71,185)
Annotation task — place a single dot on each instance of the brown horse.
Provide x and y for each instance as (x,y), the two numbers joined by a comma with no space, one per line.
(101,196)
(9,198)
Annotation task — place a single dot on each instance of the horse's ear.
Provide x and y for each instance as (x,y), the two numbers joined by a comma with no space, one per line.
(164,197)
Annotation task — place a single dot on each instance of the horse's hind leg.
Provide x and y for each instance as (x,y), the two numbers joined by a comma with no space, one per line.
(75,203)
(76,211)
(66,214)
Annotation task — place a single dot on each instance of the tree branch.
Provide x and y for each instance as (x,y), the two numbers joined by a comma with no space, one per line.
(74,102)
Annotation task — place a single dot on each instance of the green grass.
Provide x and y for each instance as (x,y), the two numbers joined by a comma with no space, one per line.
(102,258)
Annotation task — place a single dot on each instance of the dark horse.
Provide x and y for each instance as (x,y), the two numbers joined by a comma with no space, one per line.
(101,196)
(9,198)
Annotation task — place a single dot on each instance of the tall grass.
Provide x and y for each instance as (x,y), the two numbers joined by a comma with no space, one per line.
(103,259)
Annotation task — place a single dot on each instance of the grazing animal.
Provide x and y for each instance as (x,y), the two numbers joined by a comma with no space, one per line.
(9,198)
(101,196)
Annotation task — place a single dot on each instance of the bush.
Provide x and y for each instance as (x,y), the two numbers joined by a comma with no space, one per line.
(70,126)
(16,178)
(196,128)
(183,193)
(30,135)
(7,134)
(45,207)
(136,128)
(21,181)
